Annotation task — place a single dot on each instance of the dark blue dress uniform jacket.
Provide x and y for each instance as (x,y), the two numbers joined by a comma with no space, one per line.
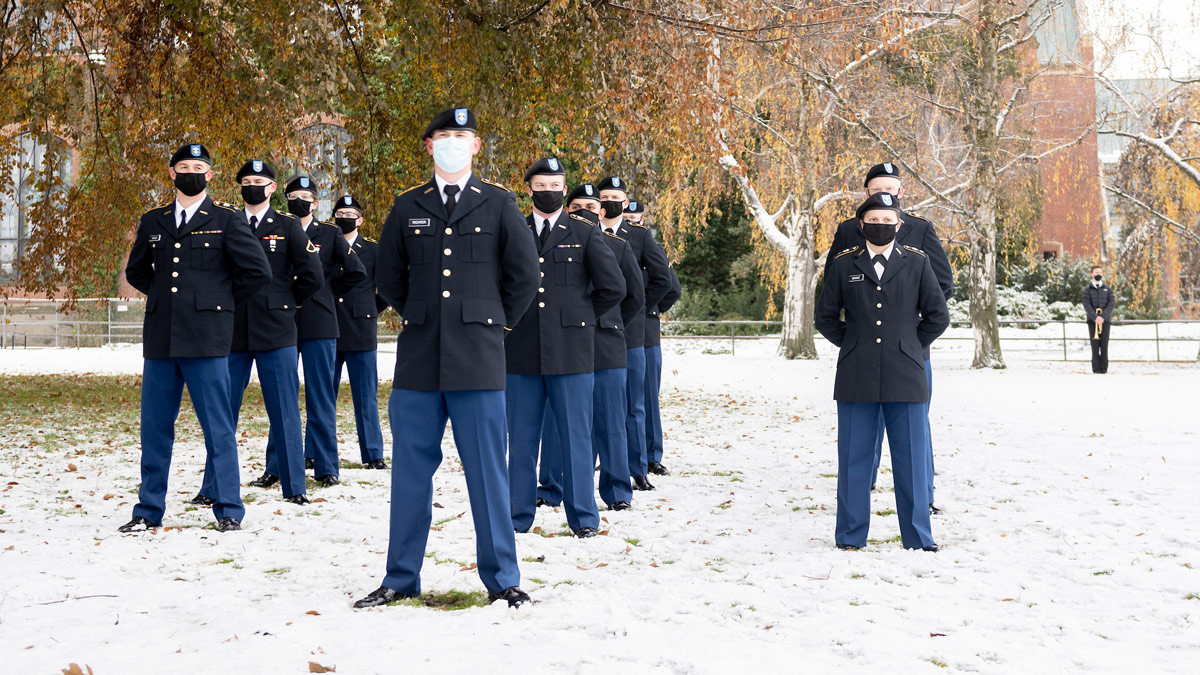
(888,324)
(458,283)
(611,326)
(916,232)
(580,280)
(266,320)
(317,318)
(193,278)
(653,329)
(1098,298)
(655,270)
(358,309)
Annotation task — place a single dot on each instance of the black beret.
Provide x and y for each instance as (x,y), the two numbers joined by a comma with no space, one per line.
(347,202)
(584,191)
(589,216)
(885,169)
(255,167)
(549,166)
(451,118)
(635,207)
(191,151)
(880,201)
(613,183)
(301,182)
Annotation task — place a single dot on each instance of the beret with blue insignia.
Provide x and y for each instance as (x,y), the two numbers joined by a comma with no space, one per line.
(635,207)
(451,118)
(584,191)
(880,201)
(549,166)
(347,202)
(885,169)
(613,183)
(301,182)
(191,151)
(255,167)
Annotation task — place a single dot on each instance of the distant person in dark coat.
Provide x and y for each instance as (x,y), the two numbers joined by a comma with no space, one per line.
(1098,304)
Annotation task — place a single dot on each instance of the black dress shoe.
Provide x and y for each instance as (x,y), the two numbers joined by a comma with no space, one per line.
(327,481)
(848,547)
(585,532)
(264,481)
(934,510)
(228,524)
(932,548)
(619,506)
(640,483)
(658,469)
(380,596)
(309,463)
(541,501)
(201,500)
(376,464)
(513,595)
(138,524)
(299,500)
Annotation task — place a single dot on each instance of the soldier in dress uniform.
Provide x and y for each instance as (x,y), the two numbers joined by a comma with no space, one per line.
(550,353)
(635,213)
(1098,304)
(913,231)
(264,329)
(894,309)
(457,260)
(358,326)
(317,329)
(614,196)
(194,260)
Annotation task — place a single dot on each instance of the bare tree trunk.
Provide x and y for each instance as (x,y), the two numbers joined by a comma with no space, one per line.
(982,226)
(799,296)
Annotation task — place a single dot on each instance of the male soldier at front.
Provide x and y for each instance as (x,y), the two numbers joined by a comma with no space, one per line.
(457,260)
(317,329)
(894,310)
(610,444)
(550,353)
(913,231)
(635,214)
(656,271)
(193,260)
(264,329)
(1098,304)
(358,327)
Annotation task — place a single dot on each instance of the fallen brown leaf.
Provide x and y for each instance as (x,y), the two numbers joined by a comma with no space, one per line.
(314,667)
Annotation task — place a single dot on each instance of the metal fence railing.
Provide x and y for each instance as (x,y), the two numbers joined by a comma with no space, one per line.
(96,322)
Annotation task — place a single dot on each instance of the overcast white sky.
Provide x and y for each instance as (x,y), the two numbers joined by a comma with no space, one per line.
(1145,38)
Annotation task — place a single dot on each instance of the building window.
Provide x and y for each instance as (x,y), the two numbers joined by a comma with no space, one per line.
(27,185)
(325,161)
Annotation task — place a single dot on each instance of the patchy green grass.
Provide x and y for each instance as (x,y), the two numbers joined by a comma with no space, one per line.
(886,512)
(938,662)
(889,540)
(447,601)
(829,475)
(1192,596)
(278,570)
(224,561)
(632,541)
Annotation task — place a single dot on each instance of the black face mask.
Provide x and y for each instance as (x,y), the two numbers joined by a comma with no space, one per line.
(612,209)
(348,225)
(879,234)
(547,201)
(190,184)
(254,194)
(299,207)
(1098,277)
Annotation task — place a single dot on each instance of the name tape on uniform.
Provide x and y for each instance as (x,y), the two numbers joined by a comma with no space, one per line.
(856,277)
(418,222)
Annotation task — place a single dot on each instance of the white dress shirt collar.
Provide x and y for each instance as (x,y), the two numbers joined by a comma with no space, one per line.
(190,211)
(538,219)
(442,183)
(258,215)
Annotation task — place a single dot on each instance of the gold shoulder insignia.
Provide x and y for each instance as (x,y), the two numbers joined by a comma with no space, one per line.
(495,184)
(370,240)
(477,190)
(414,188)
(332,225)
(637,225)
(311,248)
(227,207)
(581,219)
(286,214)
(610,234)
(852,249)
(915,250)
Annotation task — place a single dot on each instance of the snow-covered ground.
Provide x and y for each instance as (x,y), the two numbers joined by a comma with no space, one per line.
(1068,544)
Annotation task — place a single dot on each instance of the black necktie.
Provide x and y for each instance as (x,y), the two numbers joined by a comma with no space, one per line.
(182,219)
(545,231)
(451,191)
(878,259)
(253,222)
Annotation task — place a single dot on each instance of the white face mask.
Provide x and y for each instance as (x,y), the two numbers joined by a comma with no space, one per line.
(452,154)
